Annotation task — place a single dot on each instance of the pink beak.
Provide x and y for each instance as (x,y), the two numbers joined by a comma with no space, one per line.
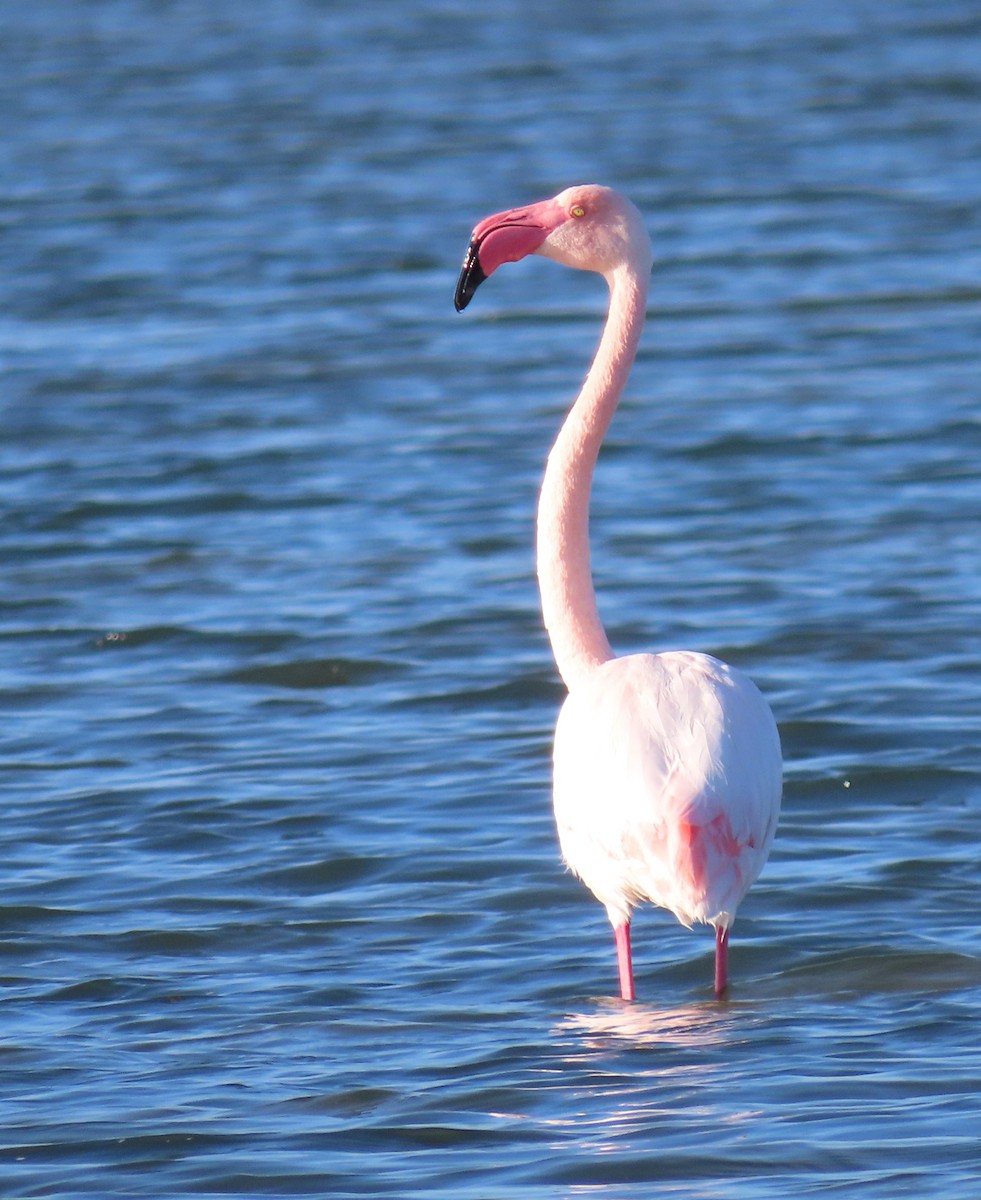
(505,237)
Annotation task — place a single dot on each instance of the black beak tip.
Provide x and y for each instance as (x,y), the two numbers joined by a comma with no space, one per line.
(471,277)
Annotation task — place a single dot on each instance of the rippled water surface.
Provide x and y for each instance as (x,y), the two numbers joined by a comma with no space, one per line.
(281,908)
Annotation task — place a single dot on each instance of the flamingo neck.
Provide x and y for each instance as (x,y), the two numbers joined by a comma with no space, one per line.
(579,642)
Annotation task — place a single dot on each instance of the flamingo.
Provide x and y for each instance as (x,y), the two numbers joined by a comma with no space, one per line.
(667,772)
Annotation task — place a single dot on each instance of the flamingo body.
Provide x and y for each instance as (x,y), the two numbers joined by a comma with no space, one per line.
(667,767)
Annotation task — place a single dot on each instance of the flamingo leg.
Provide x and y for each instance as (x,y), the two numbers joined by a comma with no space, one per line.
(622,935)
(721,961)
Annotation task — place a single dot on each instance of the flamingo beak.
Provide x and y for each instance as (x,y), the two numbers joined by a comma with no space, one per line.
(471,277)
(505,237)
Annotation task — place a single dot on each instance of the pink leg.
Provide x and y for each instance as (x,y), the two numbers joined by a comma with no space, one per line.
(721,961)
(622,935)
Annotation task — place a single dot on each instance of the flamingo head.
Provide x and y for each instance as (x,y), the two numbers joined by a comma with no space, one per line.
(589,227)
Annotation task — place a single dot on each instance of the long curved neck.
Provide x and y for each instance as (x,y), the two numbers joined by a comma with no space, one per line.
(565,579)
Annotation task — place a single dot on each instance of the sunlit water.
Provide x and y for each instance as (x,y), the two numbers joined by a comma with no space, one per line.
(282,911)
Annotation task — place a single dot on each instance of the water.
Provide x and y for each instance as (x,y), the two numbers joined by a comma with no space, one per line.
(281,909)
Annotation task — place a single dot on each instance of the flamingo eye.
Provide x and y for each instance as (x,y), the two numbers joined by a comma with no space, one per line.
(577,210)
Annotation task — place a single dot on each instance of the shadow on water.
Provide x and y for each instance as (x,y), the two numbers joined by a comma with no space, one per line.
(875,970)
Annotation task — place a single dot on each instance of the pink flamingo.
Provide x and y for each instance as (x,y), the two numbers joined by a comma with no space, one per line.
(667,767)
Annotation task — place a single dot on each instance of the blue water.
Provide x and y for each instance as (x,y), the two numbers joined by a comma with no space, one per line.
(281,909)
